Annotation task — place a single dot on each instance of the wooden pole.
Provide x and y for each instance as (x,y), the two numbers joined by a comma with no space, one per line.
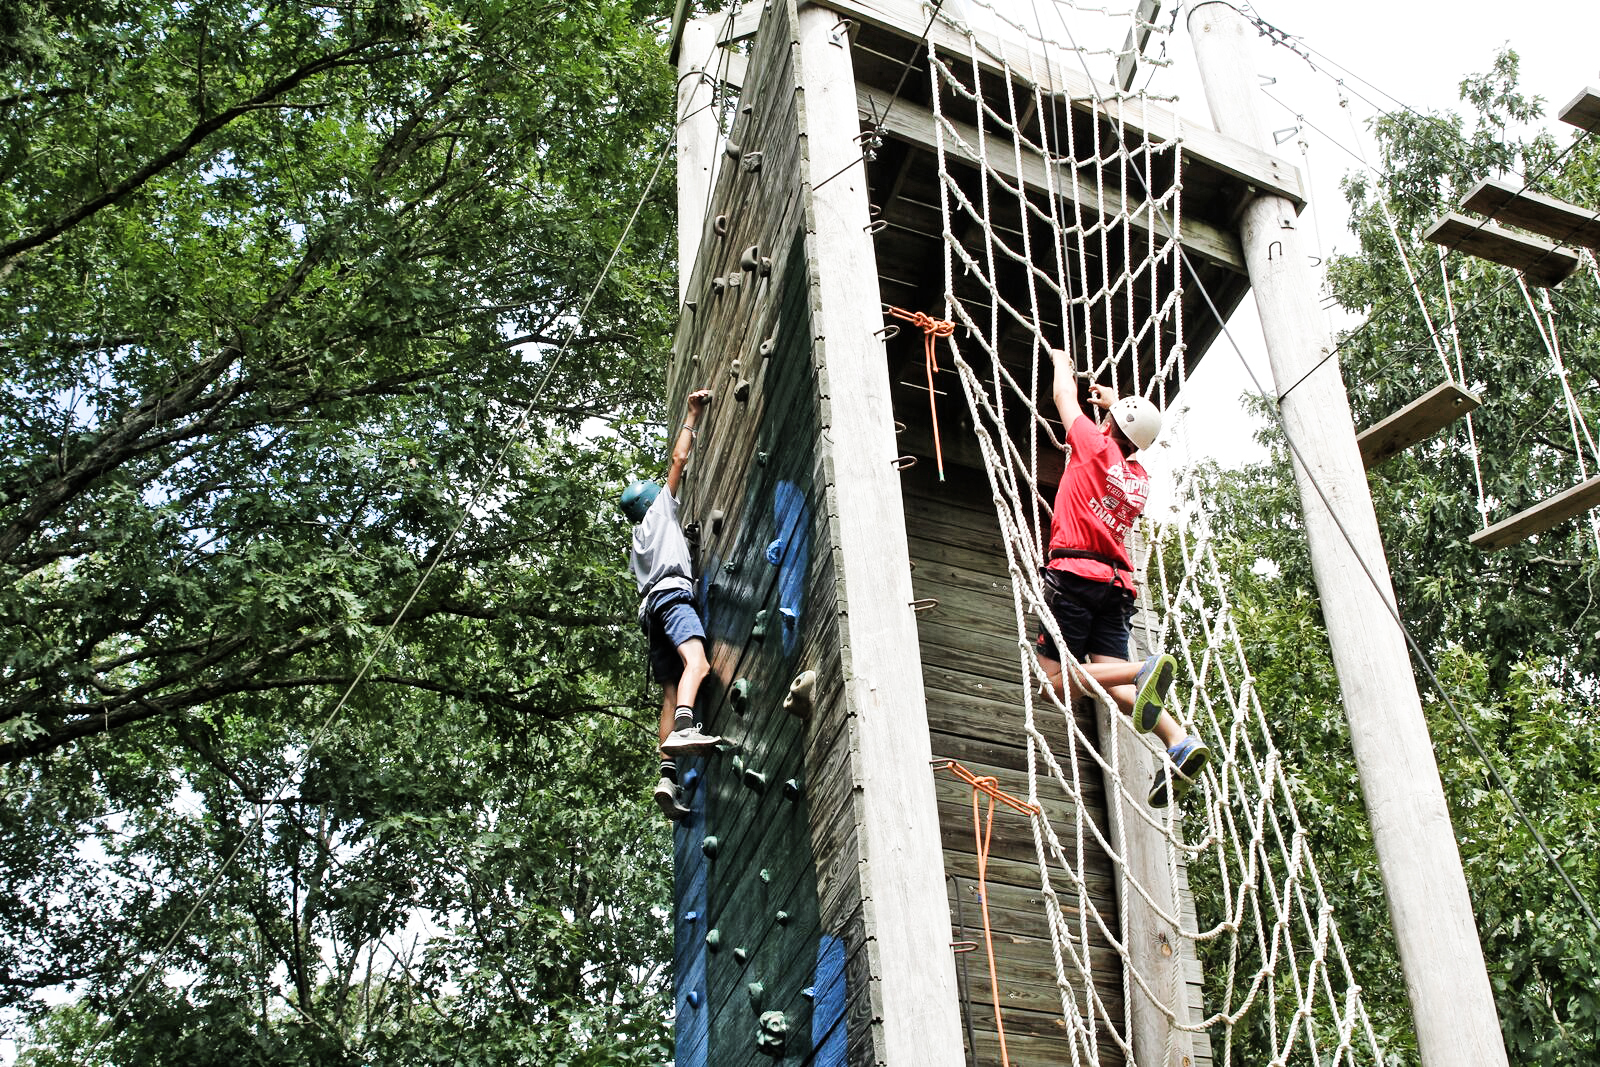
(901,863)
(697,141)
(1451,1002)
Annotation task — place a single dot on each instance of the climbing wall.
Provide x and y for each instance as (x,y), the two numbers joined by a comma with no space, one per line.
(779,947)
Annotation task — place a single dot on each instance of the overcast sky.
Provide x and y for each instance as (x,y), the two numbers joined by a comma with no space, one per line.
(1389,53)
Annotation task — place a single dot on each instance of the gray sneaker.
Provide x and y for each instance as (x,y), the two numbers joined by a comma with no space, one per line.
(687,740)
(667,798)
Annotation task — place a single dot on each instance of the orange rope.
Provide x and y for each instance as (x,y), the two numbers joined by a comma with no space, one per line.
(931,328)
(982,831)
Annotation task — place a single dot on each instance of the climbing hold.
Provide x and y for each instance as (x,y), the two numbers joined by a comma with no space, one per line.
(765,876)
(717,516)
(732,150)
(689,779)
(751,258)
(792,789)
(782,917)
(755,781)
(790,619)
(775,552)
(734,279)
(757,992)
(718,285)
(730,566)
(798,702)
(741,390)
(719,225)
(691,304)
(761,459)
(751,162)
(741,954)
(710,846)
(739,693)
(693,998)
(759,629)
(713,940)
(773,1032)
(738,764)
(691,916)
(767,347)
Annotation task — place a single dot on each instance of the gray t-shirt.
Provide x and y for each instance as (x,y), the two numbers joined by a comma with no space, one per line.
(660,556)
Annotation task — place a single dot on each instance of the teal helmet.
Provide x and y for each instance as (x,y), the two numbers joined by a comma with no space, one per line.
(637,498)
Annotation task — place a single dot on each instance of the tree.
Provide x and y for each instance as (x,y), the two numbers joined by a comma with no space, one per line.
(1504,633)
(289,320)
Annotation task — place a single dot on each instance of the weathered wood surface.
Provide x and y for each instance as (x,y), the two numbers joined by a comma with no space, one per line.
(1541,517)
(1583,110)
(1544,263)
(1138,37)
(1561,222)
(1414,423)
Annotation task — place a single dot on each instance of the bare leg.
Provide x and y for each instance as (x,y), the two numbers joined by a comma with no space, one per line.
(1116,677)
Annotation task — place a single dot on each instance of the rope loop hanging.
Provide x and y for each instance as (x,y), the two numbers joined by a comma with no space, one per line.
(932,329)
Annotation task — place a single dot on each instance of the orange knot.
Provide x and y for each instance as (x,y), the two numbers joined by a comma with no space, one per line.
(931,328)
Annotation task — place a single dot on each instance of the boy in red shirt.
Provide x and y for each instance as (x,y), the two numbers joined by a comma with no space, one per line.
(1089,576)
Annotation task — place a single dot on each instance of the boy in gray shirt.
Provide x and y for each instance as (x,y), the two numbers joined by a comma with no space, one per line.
(661,567)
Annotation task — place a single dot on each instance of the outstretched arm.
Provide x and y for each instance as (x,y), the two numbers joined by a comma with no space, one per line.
(1065,387)
(685,441)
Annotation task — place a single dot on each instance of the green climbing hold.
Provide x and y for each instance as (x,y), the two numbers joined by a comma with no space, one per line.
(710,846)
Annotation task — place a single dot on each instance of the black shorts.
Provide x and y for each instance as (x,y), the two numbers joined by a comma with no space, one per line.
(1093,616)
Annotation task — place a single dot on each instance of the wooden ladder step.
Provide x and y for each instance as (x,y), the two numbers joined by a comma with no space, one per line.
(1540,517)
(1415,422)
(1558,220)
(1583,110)
(1542,262)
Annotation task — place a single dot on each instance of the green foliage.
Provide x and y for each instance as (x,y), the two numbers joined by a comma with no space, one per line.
(277,284)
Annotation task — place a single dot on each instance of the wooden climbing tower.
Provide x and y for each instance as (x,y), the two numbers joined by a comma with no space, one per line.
(827,870)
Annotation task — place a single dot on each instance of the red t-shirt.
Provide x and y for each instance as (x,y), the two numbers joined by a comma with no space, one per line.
(1100,496)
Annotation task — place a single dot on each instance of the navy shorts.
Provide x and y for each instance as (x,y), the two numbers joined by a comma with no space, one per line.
(1093,616)
(670,621)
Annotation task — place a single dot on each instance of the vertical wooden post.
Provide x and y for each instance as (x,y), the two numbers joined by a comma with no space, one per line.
(697,141)
(1451,1001)
(1154,948)
(906,913)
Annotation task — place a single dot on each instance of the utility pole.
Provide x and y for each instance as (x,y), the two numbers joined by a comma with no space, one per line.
(1451,1001)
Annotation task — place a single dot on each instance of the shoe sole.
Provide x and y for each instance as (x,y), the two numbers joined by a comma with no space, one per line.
(1151,700)
(684,747)
(1194,762)
(670,807)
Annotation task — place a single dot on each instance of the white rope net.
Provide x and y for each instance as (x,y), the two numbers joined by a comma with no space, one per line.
(1087,260)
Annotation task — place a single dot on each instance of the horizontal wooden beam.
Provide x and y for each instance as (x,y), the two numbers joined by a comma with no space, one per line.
(1201,144)
(915,125)
(1583,110)
(1542,262)
(1540,517)
(1563,223)
(1418,420)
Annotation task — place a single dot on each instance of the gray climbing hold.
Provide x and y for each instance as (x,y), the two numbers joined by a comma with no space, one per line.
(732,150)
(717,516)
(798,702)
(751,162)
(772,1033)
(755,781)
(768,346)
(751,258)
(719,225)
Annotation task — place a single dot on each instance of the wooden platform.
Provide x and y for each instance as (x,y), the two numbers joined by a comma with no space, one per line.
(1544,263)
(1583,110)
(1539,518)
(1563,223)
(1414,423)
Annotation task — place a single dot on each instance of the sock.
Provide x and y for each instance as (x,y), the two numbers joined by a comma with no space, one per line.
(683,718)
(669,770)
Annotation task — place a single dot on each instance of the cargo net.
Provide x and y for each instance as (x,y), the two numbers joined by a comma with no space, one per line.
(1059,233)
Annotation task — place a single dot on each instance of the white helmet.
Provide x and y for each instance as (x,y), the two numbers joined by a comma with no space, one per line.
(1138,419)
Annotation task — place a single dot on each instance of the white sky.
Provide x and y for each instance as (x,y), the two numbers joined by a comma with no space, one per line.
(1416,51)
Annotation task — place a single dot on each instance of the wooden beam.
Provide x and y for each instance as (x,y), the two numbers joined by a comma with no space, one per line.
(914,124)
(1540,517)
(1266,173)
(1563,223)
(1541,261)
(1583,110)
(1418,420)
(1138,37)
